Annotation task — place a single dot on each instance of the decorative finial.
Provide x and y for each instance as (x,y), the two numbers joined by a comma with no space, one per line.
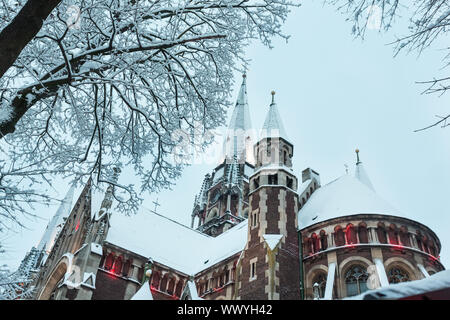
(357,156)
(273,96)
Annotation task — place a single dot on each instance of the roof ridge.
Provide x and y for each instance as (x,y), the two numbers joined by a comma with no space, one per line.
(176,222)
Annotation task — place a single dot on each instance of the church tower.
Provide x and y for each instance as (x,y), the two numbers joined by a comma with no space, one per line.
(269,266)
(223,199)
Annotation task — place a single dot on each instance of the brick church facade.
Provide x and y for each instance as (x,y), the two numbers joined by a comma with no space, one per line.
(264,234)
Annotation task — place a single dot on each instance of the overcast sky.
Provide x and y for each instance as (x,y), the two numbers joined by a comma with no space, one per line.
(334,94)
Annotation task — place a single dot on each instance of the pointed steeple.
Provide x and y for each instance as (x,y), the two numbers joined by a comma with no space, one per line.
(360,172)
(273,126)
(55,224)
(239,140)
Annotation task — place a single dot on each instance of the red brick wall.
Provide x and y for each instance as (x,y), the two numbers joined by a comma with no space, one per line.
(109,287)
(287,256)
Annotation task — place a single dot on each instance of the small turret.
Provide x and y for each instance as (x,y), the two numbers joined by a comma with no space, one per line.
(272,240)
(273,148)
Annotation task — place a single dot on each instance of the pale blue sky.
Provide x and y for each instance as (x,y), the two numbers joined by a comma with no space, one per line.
(335,93)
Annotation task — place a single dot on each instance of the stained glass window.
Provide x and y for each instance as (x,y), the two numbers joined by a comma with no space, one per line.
(396,275)
(356,280)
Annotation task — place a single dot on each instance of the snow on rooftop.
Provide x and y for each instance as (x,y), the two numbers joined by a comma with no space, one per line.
(225,245)
(173,244)
(438,281)
(272,240)
(144,293)
(361,175)
(344,196)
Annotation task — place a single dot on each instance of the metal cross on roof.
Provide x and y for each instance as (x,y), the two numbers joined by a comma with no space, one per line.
(156,204)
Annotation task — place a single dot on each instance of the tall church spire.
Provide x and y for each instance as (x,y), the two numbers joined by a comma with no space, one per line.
(273,126)
(239,140)
(360,173)
(55,224)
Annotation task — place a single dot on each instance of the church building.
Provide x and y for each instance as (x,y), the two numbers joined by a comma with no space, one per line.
(265,232)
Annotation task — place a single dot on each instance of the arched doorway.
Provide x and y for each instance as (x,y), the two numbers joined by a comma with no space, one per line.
(54,280)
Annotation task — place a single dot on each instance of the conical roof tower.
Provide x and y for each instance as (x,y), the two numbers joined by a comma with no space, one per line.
(239,138)
(273,126)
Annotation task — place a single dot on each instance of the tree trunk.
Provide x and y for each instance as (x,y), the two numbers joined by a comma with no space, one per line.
(22,29)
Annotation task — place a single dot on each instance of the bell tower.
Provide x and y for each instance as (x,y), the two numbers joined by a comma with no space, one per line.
(269,267)
(223,199)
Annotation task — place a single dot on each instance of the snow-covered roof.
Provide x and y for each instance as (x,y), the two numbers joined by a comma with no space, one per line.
(272,240)
(361,175)
(273,126)
(173,244)
(344,196)
(55,224)
(438,281)
(144,293)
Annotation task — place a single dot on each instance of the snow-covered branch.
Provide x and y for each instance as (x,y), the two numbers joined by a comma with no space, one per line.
(104,84)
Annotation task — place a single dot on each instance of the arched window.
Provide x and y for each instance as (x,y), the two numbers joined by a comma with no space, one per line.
(362,233)
(156,278)
(315,243)
(126,268)
(303,201)
(419,241)
(256,183)
(179,288)
(432,248)
(109,262)
(339,236)
(404,236)
(356,280)
(273,179)
(118,266)
(221,280)
(393,234)
(164,280)
(397,274)
(140,274)
(425,244)
(307,246)
(319,283)
(323,240)
(381,233)
(289,182)
(171,286)
(350,234)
